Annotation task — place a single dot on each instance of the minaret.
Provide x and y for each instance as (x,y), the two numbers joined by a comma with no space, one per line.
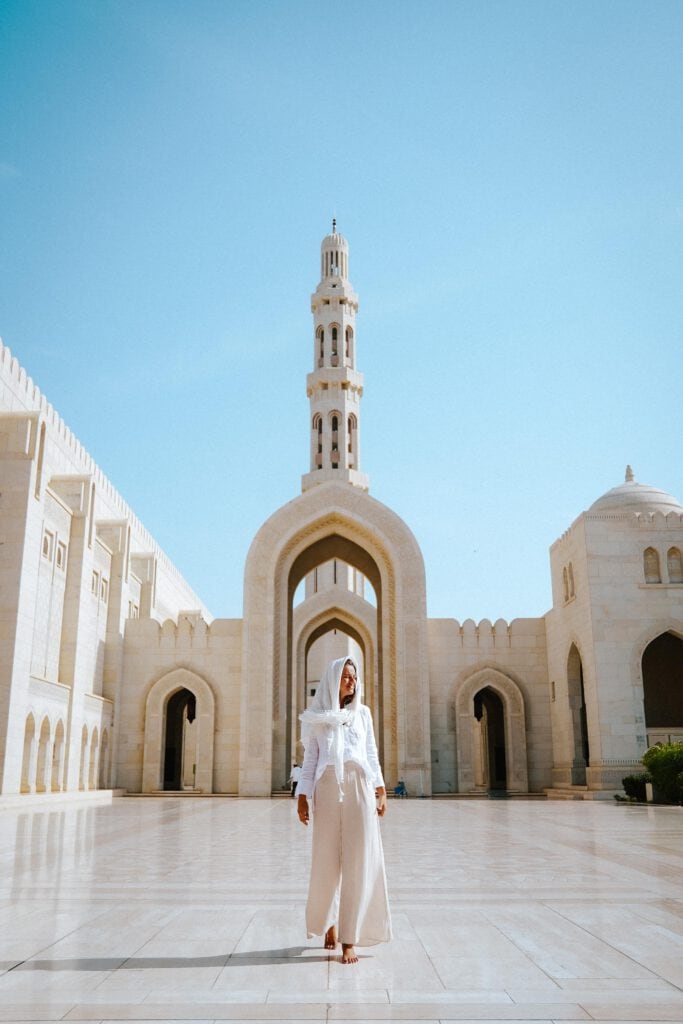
(335,386)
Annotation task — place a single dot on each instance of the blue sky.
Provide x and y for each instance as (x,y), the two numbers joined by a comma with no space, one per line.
(509,177)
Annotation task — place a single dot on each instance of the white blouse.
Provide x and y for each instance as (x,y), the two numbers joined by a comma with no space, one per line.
(359,747)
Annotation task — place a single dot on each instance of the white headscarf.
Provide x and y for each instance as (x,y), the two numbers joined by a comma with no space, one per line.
(325,719)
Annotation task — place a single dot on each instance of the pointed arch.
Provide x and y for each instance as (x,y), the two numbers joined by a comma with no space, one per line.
(577,707)
(469,684)
(333,520)
(155,722)
(352,615)
(28,764)
(662,680)
(651,570)
(93,764)
(334,344)
(44,757)
(104,761)
(348,346)
(57,780)
(335,420)
(674,565)
(83,764)
(317,441)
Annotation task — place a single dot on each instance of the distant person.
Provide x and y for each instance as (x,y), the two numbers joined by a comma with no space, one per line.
(294,777)
(341,774)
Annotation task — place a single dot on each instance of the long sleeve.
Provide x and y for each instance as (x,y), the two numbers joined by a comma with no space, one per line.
(371,751)
(306,783)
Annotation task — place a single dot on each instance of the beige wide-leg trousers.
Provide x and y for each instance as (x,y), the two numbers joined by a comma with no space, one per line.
(348,885)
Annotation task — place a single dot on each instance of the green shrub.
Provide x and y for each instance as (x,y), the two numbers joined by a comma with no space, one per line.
(634,785)
(665,764)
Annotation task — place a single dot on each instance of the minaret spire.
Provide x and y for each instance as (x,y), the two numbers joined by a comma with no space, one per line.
(334,387)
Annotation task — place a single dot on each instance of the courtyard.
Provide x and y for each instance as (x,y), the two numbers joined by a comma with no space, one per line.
(150,909)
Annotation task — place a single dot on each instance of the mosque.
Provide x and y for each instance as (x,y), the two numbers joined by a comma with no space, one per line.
(114,676)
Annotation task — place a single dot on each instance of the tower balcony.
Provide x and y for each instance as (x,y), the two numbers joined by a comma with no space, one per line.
(342,377)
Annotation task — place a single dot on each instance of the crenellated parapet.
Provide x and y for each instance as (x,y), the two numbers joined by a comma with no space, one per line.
(486,635)
(19,394)
(658,520)
(190,632)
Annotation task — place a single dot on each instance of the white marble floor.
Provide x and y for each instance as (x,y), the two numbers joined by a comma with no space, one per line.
(192,909)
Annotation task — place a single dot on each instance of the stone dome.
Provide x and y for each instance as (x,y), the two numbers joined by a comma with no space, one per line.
(634,497)
(334,240)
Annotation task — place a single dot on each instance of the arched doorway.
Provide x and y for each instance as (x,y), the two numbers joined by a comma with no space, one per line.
(180,741)
(662,666)
(491,760)
(577,709)
(490,722)
(334,521)
(178,752)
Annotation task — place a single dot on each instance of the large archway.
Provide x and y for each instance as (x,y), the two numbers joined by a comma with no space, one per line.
(662,666)
(333,546)
(159,700)
(331,521)
(357,629)
(488,689)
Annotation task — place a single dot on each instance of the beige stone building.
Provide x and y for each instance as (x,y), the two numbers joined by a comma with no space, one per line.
(114,675)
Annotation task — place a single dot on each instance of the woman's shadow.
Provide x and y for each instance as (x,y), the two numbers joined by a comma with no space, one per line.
(253,958)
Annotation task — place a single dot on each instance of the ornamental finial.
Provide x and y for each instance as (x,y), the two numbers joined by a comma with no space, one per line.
(334,225)
(629,478)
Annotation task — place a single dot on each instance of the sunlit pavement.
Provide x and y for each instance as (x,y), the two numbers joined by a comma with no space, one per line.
(192,909)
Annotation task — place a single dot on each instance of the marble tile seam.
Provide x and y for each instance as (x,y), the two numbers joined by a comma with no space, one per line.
(324,1011)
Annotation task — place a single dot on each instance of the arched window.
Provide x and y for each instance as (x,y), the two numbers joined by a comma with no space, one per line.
(334,422)
(651,566)
(320,335)
(317,441)
(570,574)
(351,431)
(674,563)
(335,348)
(348,342)
(565,583)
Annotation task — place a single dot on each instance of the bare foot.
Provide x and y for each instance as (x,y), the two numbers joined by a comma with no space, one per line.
(331,937)
(348,954)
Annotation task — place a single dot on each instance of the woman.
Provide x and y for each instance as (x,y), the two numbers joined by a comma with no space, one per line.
(347,896)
